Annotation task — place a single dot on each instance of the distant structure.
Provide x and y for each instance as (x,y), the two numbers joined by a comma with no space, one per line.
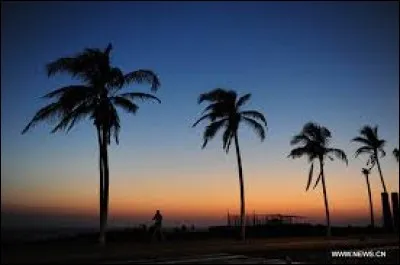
(265,219)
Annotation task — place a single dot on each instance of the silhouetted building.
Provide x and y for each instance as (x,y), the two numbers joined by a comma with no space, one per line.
(265,219)
(395,209)
(387,213)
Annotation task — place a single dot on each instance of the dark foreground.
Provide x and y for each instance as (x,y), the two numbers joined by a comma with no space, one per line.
(208,251)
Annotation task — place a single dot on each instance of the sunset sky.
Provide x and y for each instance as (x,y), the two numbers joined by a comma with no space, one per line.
(333,63)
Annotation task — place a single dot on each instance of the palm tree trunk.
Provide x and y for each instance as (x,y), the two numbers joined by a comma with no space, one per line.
(242,202)
(106,181)
(328,219)
(371,208)
(380,172)
(387,214)
(101,189)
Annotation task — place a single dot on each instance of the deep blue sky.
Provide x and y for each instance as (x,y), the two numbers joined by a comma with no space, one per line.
(334,63)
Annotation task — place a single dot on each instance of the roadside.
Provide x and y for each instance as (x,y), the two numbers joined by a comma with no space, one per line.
(269,248)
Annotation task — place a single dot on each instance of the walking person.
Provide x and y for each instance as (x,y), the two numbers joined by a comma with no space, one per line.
(158,226)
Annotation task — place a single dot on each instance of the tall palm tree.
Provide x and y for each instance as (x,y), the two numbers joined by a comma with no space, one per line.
(313,142)
(224,112)
(396,154)
(97,98)
(366,172)
(372,146)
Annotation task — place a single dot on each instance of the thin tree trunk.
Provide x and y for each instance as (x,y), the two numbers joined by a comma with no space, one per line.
(380,172)
(101,188)
(371,208)
(387,214)
(242,202)
(328,219)
(106,180)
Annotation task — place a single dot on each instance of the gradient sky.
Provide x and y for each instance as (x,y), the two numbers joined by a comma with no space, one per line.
(333,63)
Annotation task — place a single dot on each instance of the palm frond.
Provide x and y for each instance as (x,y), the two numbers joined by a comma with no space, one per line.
(125,104)
(227,137)
(243,99)
(317,181)
(310,129)
(219,109)
(363,150)
(363,141)
(69,90)
(396,154)
(299,152)
(371,161)
(108,49)
(50,111)
(204,117)
(85,65)
(300,138)
(375,130)
(317,133)
(366,130)
(310,174)
(325,133)
(115,78)
(70,118)
(60,65)
(228,145)
(73,96)
(115,125)
(212,129)
(382,152)
(370,133)
(381,143)
(254,114)
(257,127)
(340,154)
(213,95)
(143,76)
(138,95)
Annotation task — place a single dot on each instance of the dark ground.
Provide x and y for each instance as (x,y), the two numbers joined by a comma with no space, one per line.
(311,250)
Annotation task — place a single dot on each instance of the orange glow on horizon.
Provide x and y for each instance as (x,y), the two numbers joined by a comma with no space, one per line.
(180,197)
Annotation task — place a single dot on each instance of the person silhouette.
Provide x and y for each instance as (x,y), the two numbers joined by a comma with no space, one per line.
(158,225)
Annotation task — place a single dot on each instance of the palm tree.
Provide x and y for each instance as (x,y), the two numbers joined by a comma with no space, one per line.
(396,154)
(372,146)
(366,172)
(224,113)
(97,98)
(313,142)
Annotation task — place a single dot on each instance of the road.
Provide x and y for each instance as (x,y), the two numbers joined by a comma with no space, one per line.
(219,258)
(392,253)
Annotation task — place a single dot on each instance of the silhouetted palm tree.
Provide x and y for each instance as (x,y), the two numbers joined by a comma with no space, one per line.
(366,172)
(372,145)
(97,98)
(314,143)
(396,154)
(224,113)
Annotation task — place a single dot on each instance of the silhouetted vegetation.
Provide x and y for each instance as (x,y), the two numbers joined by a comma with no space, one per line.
(396,154)
(372,146)
(224,113)
(97,98)
(365,172)
(314,143)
